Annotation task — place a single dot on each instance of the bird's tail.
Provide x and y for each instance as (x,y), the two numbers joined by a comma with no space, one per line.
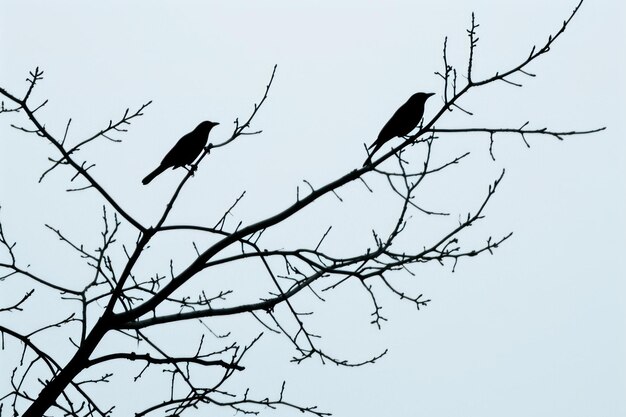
(153,174)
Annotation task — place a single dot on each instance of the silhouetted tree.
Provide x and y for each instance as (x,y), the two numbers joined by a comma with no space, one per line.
(115,300)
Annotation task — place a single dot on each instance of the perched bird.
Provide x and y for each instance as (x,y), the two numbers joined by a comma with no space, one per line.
(185,151)
(401,123)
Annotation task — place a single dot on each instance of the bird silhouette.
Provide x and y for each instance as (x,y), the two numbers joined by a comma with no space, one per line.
(401,123)
(185,151)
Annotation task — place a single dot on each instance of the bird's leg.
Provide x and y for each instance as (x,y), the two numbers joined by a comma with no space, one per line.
(192,168)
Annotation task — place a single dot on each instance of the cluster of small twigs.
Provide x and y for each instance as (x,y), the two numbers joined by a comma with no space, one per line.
(120,291)
(452,95)
(115,300)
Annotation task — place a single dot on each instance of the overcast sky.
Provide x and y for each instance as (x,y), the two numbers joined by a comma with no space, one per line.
(537,329)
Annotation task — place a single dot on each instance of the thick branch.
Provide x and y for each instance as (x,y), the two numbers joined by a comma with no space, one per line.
(163,361)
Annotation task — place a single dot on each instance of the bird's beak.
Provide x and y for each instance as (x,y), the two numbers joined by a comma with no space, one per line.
(430,94)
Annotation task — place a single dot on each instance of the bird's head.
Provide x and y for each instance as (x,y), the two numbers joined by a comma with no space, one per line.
(421,97)
(206,126)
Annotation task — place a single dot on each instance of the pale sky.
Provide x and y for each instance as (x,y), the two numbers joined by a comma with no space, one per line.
(537,329)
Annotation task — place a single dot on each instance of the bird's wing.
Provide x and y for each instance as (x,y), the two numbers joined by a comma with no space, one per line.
(175,156)
(393,127)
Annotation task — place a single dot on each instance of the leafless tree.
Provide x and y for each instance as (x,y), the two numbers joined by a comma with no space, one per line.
(115,300)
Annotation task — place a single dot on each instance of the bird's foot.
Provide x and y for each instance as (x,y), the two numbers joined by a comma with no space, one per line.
(192,169)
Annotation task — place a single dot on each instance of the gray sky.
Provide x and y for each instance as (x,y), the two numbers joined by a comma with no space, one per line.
(537,329)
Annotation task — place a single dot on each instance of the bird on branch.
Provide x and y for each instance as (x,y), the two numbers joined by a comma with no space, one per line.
(403,121)
(185,151)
